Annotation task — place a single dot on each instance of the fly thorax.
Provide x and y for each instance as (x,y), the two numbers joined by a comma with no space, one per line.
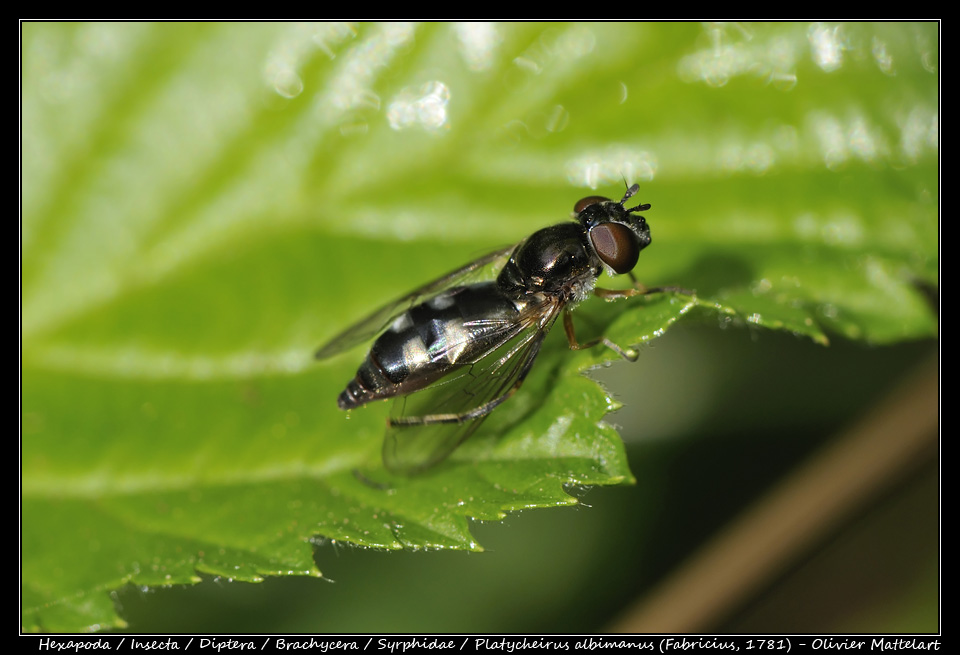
(581,288)
(550,260)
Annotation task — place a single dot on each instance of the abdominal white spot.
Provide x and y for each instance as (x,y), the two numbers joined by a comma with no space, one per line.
(442,301)
(455,339)
(402,322)
(414,351)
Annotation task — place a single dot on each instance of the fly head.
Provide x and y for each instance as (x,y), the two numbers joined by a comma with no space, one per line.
(615,233)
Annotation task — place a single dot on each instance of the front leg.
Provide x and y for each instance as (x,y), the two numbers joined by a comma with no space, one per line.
(638,290)
(629,354)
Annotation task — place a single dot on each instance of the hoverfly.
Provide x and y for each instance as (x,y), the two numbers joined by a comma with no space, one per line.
(453,350)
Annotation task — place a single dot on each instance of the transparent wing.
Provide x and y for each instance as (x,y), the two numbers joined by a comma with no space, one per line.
(372,325)
(425,427)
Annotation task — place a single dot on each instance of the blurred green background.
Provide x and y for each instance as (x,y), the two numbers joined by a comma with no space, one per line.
(204,204)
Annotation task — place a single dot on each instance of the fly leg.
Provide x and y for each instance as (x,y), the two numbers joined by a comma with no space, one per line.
(629,354)
(462,417)
(638,289)
(613,294)
(487,407)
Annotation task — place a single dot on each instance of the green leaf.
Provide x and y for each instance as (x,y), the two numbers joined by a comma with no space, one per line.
(205,204)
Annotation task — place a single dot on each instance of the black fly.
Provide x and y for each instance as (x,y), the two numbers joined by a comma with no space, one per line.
(461,349)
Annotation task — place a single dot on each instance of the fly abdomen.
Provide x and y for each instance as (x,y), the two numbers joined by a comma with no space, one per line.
(400,361)
(370,383)
(429,341)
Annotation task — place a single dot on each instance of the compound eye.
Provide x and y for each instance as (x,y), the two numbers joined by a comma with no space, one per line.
(617,246)
(589,200)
